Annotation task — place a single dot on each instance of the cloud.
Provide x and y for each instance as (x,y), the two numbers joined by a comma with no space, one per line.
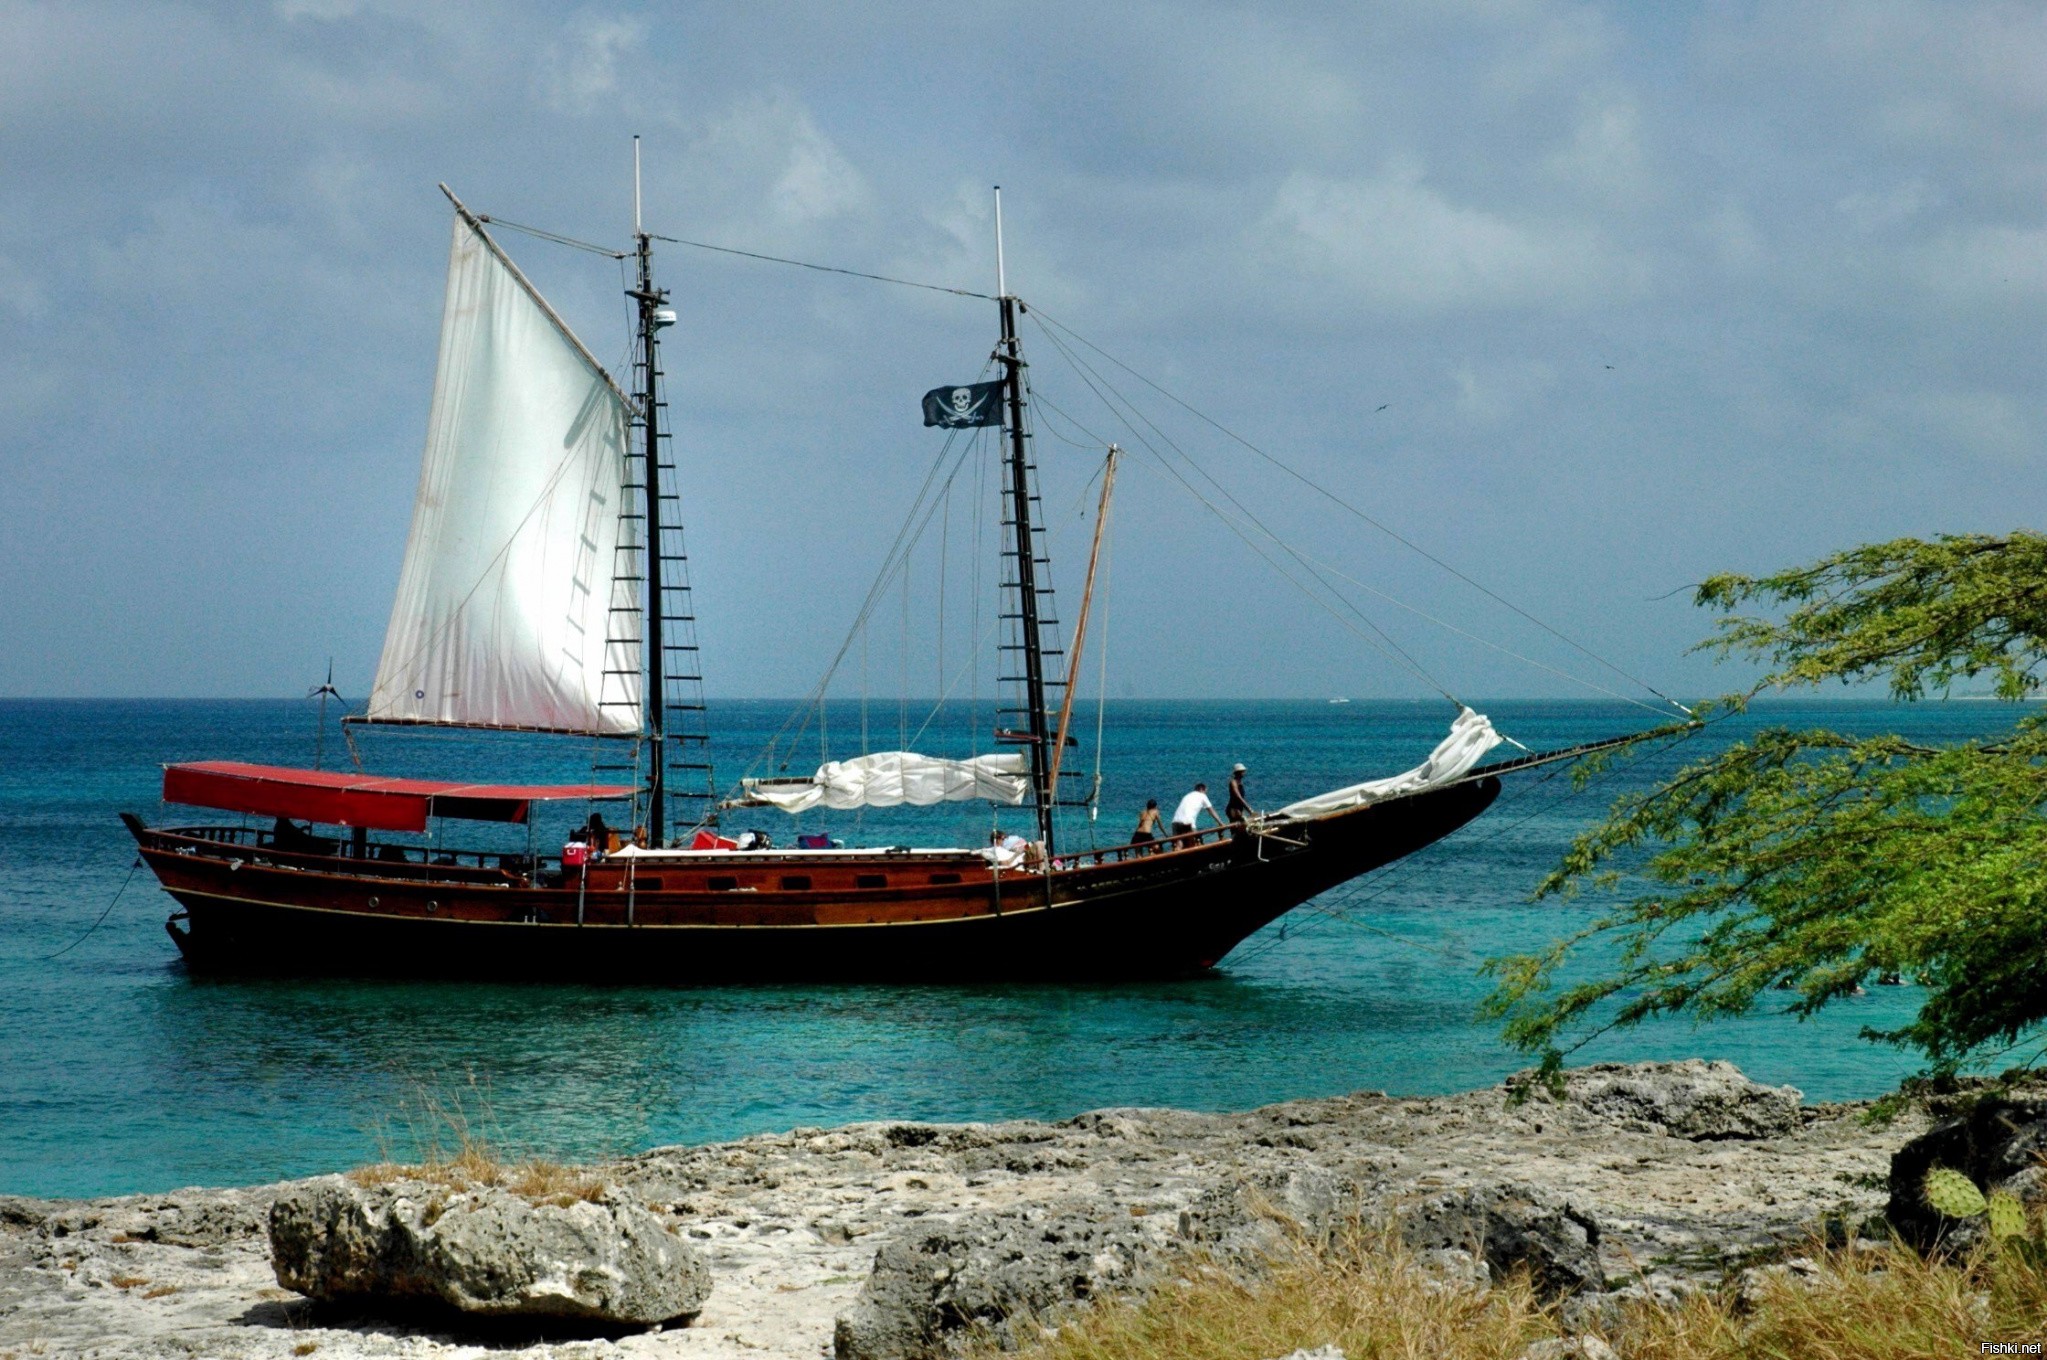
(1393,241)
(1809,236)
(580,68)
(762,169)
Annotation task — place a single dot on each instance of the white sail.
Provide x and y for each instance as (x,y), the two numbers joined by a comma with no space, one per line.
(890,778)
(1471,736)
(505,601)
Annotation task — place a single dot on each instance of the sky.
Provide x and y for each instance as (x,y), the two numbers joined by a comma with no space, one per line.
(1586,300)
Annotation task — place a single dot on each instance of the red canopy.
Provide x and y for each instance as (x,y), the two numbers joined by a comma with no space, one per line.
(360,799)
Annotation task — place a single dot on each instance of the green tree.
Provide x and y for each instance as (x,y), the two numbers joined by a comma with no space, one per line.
(1812,861)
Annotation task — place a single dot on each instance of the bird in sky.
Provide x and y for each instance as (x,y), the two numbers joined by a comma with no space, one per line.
(1382,408)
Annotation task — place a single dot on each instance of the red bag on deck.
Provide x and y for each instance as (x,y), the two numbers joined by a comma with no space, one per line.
(711,840)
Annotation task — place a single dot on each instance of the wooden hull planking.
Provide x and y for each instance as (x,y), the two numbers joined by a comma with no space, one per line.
(768,916)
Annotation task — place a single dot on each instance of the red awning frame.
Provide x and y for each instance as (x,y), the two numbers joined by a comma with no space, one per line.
(361,800)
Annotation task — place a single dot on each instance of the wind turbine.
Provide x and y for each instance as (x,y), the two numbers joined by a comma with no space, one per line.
(323,690)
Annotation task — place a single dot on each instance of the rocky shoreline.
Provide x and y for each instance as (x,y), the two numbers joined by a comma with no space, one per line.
(878,1241)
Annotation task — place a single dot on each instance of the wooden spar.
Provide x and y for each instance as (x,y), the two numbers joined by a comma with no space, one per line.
(653,703)
(1087,599)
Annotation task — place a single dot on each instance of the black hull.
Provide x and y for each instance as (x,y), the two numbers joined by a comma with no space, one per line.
(1162,917)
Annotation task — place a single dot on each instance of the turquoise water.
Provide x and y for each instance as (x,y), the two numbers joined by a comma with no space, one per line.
(119,1072)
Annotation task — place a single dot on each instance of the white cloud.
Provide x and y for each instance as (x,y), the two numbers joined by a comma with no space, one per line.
(764,171)
(1605,155)
(1876,210)
(1491,394)
(581,67)
(1393,241)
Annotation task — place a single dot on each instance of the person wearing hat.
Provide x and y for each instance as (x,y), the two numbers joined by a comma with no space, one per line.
(1238,807)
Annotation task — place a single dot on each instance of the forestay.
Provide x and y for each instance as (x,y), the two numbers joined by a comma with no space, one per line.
(1471,736)
(891,778)
(505,599)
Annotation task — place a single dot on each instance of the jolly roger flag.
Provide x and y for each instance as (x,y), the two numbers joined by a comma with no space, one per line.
(960,408)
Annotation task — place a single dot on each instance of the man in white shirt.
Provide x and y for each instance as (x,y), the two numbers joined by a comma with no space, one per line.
(1191,807)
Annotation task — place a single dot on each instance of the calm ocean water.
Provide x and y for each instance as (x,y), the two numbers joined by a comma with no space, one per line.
(121,1073)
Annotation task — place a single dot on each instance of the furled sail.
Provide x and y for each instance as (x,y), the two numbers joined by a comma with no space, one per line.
(890,778)
(1471,736)
(504,615)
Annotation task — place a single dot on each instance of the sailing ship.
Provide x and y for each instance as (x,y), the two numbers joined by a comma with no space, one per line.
(539,594)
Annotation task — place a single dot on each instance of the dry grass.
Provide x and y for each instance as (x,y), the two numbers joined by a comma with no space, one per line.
(452,1151)
(535,1180)
(1867,1305)
(162,1291)
(127,1281)
(1367,1298)
(305,1348)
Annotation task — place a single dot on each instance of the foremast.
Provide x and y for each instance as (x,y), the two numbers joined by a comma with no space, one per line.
(672,673)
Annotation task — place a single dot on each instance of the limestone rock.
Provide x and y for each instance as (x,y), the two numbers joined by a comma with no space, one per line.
(1585,1347)
(483,1251)
(1998,1142)
(1692,1099)
(932,1284)
(1509,1226)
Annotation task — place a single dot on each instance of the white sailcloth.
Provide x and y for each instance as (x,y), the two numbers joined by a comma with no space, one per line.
(1471,736)
(504,602)
(891,778)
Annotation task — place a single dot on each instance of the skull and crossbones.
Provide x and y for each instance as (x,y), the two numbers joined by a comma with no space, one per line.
(963,402)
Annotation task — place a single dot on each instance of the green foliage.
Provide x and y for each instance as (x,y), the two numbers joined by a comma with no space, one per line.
(1811,861)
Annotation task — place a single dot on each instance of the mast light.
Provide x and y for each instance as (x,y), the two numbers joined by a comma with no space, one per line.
(663,316)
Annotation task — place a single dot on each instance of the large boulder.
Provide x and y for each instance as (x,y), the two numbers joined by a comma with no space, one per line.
(1509,1227)
(1997,1141)
(485,1252)
(1690,1099)
(936,1283)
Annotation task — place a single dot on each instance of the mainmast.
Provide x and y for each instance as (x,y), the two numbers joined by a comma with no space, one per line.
(1011,359)
(653,706)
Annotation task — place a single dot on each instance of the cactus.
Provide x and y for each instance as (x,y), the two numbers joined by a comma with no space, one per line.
(2007,1216)
(1953,1194)
(1956,1196)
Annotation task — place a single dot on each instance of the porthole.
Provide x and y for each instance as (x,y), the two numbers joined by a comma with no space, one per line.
(373,904)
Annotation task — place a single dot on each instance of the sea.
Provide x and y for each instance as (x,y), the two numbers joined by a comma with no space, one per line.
(120,1072)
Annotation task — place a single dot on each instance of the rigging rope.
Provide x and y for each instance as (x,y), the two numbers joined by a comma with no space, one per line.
(1362,892)
(1382,642)
(608,252)
(827,269)
(102,916)
(893,561)
(1048,324)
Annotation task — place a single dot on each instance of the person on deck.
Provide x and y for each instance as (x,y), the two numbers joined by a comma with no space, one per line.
(1147,824)
(1191,807)
(1005,852)
(1237,808)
